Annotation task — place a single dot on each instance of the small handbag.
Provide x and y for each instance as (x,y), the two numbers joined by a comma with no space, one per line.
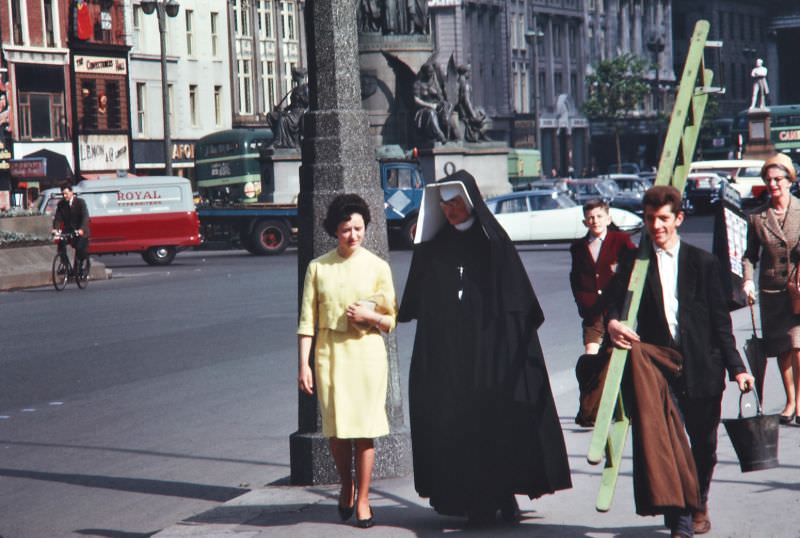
(793,287)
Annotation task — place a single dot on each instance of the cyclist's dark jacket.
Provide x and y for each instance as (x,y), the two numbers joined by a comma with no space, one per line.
(73,217)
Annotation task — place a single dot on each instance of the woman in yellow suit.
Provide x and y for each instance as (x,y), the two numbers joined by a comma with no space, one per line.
(348,300)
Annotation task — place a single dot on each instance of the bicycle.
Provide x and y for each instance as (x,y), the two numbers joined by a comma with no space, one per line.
(63,270)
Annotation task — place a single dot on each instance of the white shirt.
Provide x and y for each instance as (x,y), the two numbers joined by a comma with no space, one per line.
(595,244)
(668,275)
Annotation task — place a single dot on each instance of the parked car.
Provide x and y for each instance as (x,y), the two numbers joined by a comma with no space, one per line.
(702,192)
(549,216)
(628,191)
(623,168)
(742,174)
(584,190)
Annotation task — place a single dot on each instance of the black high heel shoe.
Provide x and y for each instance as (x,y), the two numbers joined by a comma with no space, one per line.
(346,512)
(787,419)
(365,523)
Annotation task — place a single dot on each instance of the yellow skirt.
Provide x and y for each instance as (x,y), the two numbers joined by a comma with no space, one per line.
(351,378)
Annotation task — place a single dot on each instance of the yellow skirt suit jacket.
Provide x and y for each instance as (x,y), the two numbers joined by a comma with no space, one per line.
(350,363)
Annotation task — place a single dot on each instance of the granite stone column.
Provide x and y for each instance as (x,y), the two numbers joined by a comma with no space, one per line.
(338,157)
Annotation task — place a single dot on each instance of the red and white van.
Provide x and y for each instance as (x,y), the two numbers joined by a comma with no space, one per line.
(153,215)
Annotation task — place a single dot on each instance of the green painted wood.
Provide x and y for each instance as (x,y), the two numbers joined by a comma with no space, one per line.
(612,423)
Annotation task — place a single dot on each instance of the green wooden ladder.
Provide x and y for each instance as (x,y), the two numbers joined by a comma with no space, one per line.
(612,422)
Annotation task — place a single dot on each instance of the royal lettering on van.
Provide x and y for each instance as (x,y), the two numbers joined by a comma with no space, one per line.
(139,197)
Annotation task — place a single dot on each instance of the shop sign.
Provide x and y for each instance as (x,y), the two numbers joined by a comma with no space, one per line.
(97,65)
(23,168)
(103,152)
(183,152)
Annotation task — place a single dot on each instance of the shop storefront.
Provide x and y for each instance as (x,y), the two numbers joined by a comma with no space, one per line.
(101,103)
(149,157)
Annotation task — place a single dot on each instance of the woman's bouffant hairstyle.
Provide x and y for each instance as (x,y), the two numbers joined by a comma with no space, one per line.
(340,210)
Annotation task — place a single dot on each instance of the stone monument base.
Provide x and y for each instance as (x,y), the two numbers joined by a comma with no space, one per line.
(280,175)
(759,144)
(487,162)
(312,463)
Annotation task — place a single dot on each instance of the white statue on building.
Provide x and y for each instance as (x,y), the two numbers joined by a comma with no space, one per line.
(760,88)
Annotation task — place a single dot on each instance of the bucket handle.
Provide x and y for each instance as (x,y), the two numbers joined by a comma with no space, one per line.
(759,411)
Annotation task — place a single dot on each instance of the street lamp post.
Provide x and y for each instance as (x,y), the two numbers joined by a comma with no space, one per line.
(656,46)
(532,36)
(163,8)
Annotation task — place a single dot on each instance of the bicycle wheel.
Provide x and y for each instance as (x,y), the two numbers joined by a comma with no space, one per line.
(60,273)
(82,273)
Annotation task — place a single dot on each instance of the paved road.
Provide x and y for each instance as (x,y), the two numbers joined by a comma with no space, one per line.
(163,392)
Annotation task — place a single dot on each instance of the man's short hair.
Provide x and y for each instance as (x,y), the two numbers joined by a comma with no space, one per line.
(594,203)
(65,185)
(662,195)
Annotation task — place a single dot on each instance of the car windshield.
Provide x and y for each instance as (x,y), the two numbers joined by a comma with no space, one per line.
(750,171)
(555,200)
(607,189)
(630,185)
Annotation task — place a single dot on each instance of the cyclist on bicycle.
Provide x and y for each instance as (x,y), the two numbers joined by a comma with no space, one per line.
(72,215)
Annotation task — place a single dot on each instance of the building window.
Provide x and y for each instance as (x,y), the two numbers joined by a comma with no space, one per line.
(113,106)
(16,22)
(287,21)
(245,87)
(241,17)
(193,104)
(49,34)
(137,26)
(189,32)
(41,116)
(217,105)
(521,31)
(264,9)
(89,101)
(214,35)
(558,84)
(557,41)
(513,36)
(141,104)
(269,74)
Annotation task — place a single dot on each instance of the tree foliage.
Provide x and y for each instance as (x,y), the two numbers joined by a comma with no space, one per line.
(616,88)
(615,91)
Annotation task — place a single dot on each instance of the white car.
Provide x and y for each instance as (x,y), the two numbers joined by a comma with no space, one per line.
(549,216)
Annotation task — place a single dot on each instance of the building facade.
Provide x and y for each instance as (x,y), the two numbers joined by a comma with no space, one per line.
(477,33)
(642,28)
(198,83)
(267,41)
(99,77)
(35,104)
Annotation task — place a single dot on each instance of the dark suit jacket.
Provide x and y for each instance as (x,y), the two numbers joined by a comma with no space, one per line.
(72,218)
(590,279)
(704,324)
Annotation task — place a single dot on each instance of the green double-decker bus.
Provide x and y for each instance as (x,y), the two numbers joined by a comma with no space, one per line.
(784,130)
(227,164)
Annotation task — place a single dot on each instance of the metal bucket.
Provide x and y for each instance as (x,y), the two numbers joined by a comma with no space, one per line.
(755,439)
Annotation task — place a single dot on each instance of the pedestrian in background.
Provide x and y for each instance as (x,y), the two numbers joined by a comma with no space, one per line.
(594,262)
(483,422)
(772,241)
(348,301)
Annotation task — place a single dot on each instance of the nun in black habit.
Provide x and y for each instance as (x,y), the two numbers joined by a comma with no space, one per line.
(483,422)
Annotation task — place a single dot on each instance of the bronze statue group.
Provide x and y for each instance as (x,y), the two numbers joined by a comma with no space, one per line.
(484,425)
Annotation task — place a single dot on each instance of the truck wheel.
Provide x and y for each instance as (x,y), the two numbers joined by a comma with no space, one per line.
(409,231)
(159,255)
(269,237)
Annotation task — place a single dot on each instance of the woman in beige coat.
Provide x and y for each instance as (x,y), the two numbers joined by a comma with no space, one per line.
(772,235)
